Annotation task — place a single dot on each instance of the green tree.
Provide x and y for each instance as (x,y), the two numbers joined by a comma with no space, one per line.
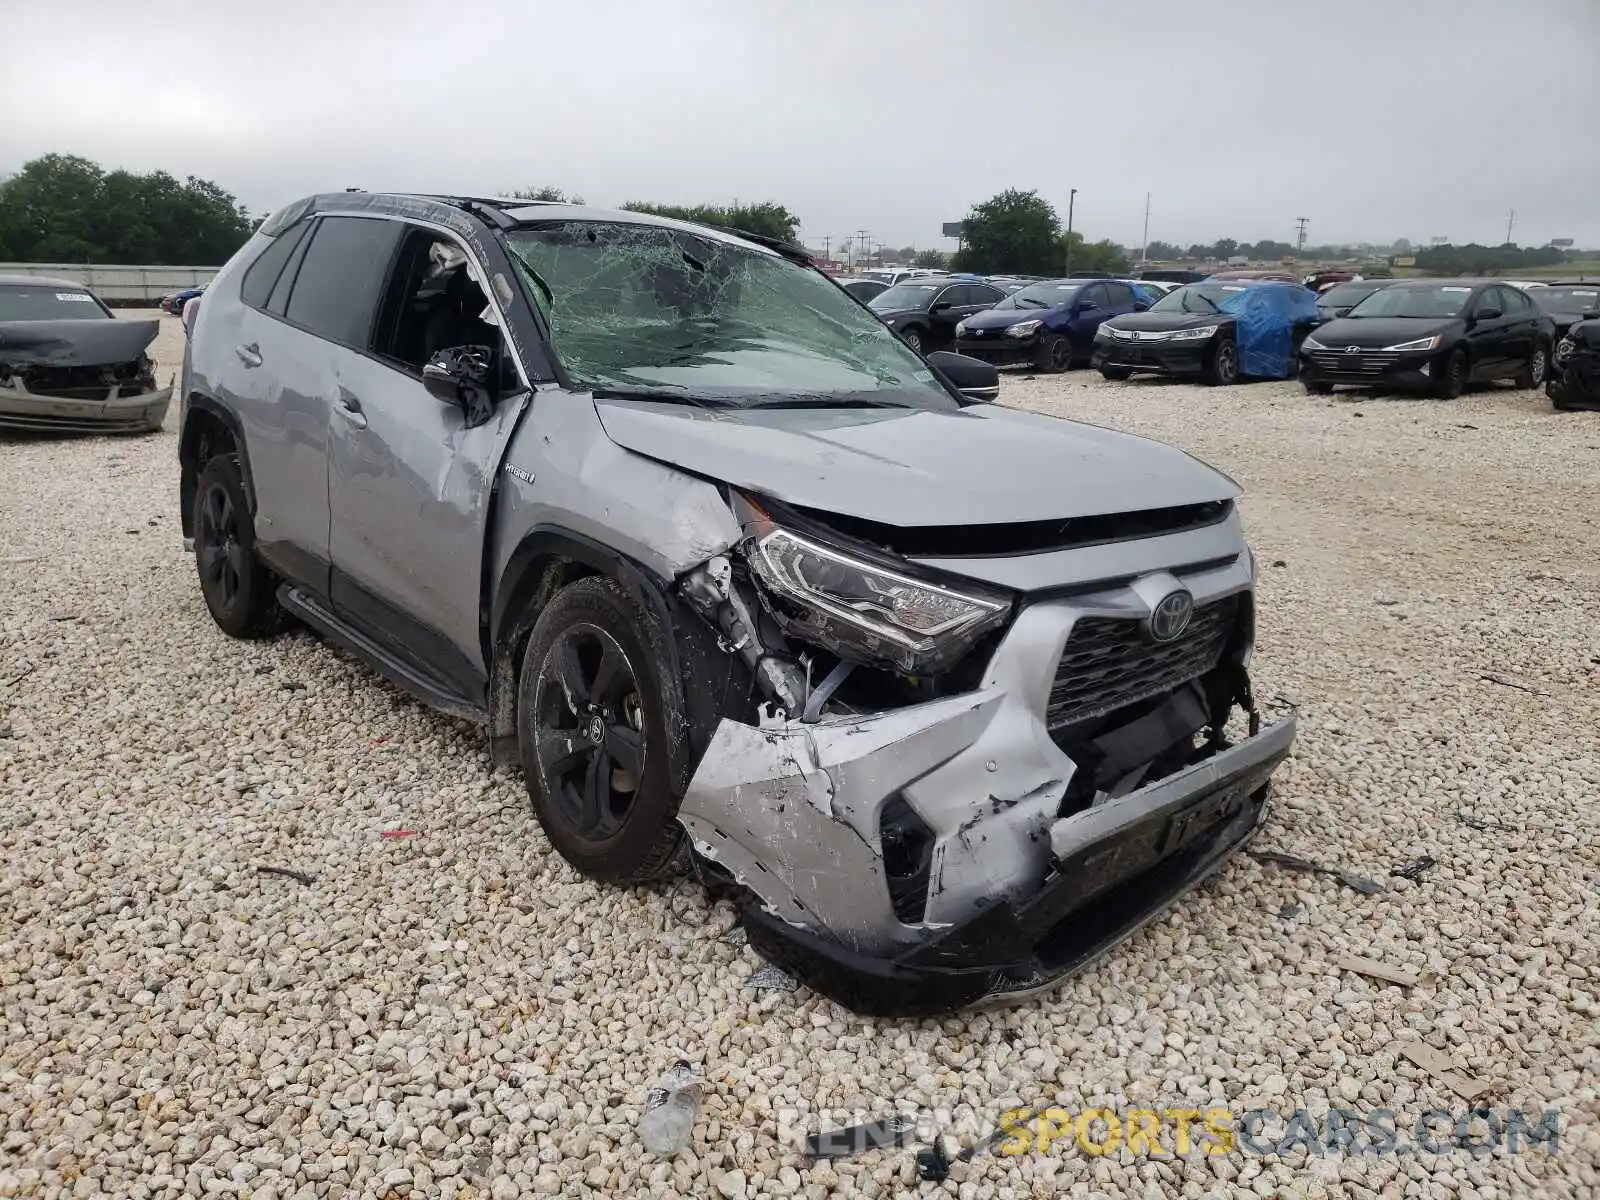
(768,219)
(1014,231)
(1104,256)
(61,208)
(545,193)
(937,259)
(1163,251)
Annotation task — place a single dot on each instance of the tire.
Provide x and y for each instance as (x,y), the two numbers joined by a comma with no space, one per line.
(1534,370)
(239,590)
(1054,354)
(1451,380)
(913,338)
(1116,374)
(598,709)
(1317,387)
(1223,367)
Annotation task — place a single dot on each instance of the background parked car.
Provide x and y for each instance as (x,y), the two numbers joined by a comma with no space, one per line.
(1574,381)
(1049,325)
(925,312)
(68,365)
(1216,330)
(178,299)
(865,289)
(1433,335)
(1566,302)
(1342,297)
(1268,276)
(1174,275)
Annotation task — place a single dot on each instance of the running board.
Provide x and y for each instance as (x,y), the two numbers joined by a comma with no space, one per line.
(381,660)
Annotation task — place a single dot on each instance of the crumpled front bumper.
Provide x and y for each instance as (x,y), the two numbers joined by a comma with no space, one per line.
(32,412)
(1018,896)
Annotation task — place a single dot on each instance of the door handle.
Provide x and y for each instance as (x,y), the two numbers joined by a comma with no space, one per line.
(350,409)
(249,355)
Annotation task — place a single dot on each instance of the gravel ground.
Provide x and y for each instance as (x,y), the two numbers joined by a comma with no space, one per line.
(456,1012)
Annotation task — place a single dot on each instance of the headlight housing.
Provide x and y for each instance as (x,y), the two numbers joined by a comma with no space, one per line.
(1426,343)
(961,327)
(1194,335)
(1023,329)
(1311,343)
(864,612)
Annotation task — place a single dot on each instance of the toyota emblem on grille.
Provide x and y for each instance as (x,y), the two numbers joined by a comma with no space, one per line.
(1352,349)
(1171,617)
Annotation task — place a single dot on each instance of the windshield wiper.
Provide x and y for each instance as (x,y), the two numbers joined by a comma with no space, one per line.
(667,395)
(825,402)
(1031,302)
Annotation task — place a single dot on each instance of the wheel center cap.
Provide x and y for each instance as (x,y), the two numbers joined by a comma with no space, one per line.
(597,730)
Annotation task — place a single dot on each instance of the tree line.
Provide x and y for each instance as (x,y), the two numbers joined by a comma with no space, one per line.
(65,209)
(767,219)
(1019,232)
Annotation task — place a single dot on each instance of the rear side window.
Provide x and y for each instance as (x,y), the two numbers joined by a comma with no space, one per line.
(336,289)
(264,272)
(1121,294)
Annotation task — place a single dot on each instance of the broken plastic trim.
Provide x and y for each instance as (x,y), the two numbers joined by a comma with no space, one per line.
(711,589)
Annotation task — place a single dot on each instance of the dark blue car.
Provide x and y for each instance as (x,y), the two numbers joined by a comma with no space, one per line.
(1049,326)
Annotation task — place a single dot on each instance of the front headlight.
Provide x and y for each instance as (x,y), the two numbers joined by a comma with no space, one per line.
(1311,343)
(1023,329)
(1103,333)
(961,327)
(1427,343)
(866,613)
(1193,335)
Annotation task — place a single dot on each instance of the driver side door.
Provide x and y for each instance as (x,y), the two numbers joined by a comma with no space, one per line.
(409,480)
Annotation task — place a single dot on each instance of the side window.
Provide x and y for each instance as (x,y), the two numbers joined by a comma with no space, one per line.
(430,302)
(1516,300)
(335,292)
(982,293)
(950,295)
(1094,294)
(1489,298)
(279,300)
(1120,295)
(263,274)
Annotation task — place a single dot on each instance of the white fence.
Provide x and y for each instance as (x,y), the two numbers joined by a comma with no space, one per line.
(119,284)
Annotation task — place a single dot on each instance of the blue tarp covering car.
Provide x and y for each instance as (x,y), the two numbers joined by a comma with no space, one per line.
(1265,317)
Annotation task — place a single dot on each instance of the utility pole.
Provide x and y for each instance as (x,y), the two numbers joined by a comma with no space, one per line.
(1300,234)
(1144,247)
(827,244)
(1510,221)
(1072,196)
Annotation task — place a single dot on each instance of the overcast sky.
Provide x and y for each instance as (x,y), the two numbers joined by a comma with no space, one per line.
(1374,118)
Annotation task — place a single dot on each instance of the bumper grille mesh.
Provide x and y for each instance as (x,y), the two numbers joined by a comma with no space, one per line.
(1109,663)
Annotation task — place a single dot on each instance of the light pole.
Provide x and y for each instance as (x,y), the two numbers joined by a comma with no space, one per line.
(1071,197)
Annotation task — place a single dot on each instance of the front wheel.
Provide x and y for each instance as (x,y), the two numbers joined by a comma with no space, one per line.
(1054,354)
(1116,374)
(240,591)
(913,338)
(600,731)
(1533,371)
(1451,379)
(1223,369)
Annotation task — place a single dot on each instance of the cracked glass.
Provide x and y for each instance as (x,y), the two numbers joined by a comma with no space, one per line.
(657,311)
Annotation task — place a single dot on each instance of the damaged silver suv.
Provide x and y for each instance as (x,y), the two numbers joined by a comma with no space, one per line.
(954,696)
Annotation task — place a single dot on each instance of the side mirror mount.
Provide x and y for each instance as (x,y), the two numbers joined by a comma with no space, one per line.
(463,377)
(977,381)
(1487,314)
(942,306)
(1087,306)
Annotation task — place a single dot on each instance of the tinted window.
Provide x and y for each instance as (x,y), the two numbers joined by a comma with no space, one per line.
(1095,294)
(982,293)
(337,287)
(264,272)
(1121,295)
(279,300)
(1515,300)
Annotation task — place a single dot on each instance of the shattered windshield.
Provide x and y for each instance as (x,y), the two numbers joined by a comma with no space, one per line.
(32,302)
(657,311)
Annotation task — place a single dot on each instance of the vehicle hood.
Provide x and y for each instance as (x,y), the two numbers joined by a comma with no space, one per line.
(1165,322)
(909,467)
(1004,318)
(1377,332)
(86,343)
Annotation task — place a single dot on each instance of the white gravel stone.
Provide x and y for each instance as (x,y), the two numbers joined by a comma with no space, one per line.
(460,1010)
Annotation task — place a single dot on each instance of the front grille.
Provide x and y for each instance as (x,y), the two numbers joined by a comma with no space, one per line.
(1109,662)
(1362,362)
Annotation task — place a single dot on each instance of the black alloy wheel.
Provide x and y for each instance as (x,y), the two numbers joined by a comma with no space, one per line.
(913,338)
(220,553)
(589,725)
(1223,368)
(1450,379)
(239,590)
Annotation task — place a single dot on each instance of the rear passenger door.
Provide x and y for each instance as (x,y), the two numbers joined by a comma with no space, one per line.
(410,478)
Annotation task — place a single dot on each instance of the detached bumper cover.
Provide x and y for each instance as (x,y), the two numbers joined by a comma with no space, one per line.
(21,409)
